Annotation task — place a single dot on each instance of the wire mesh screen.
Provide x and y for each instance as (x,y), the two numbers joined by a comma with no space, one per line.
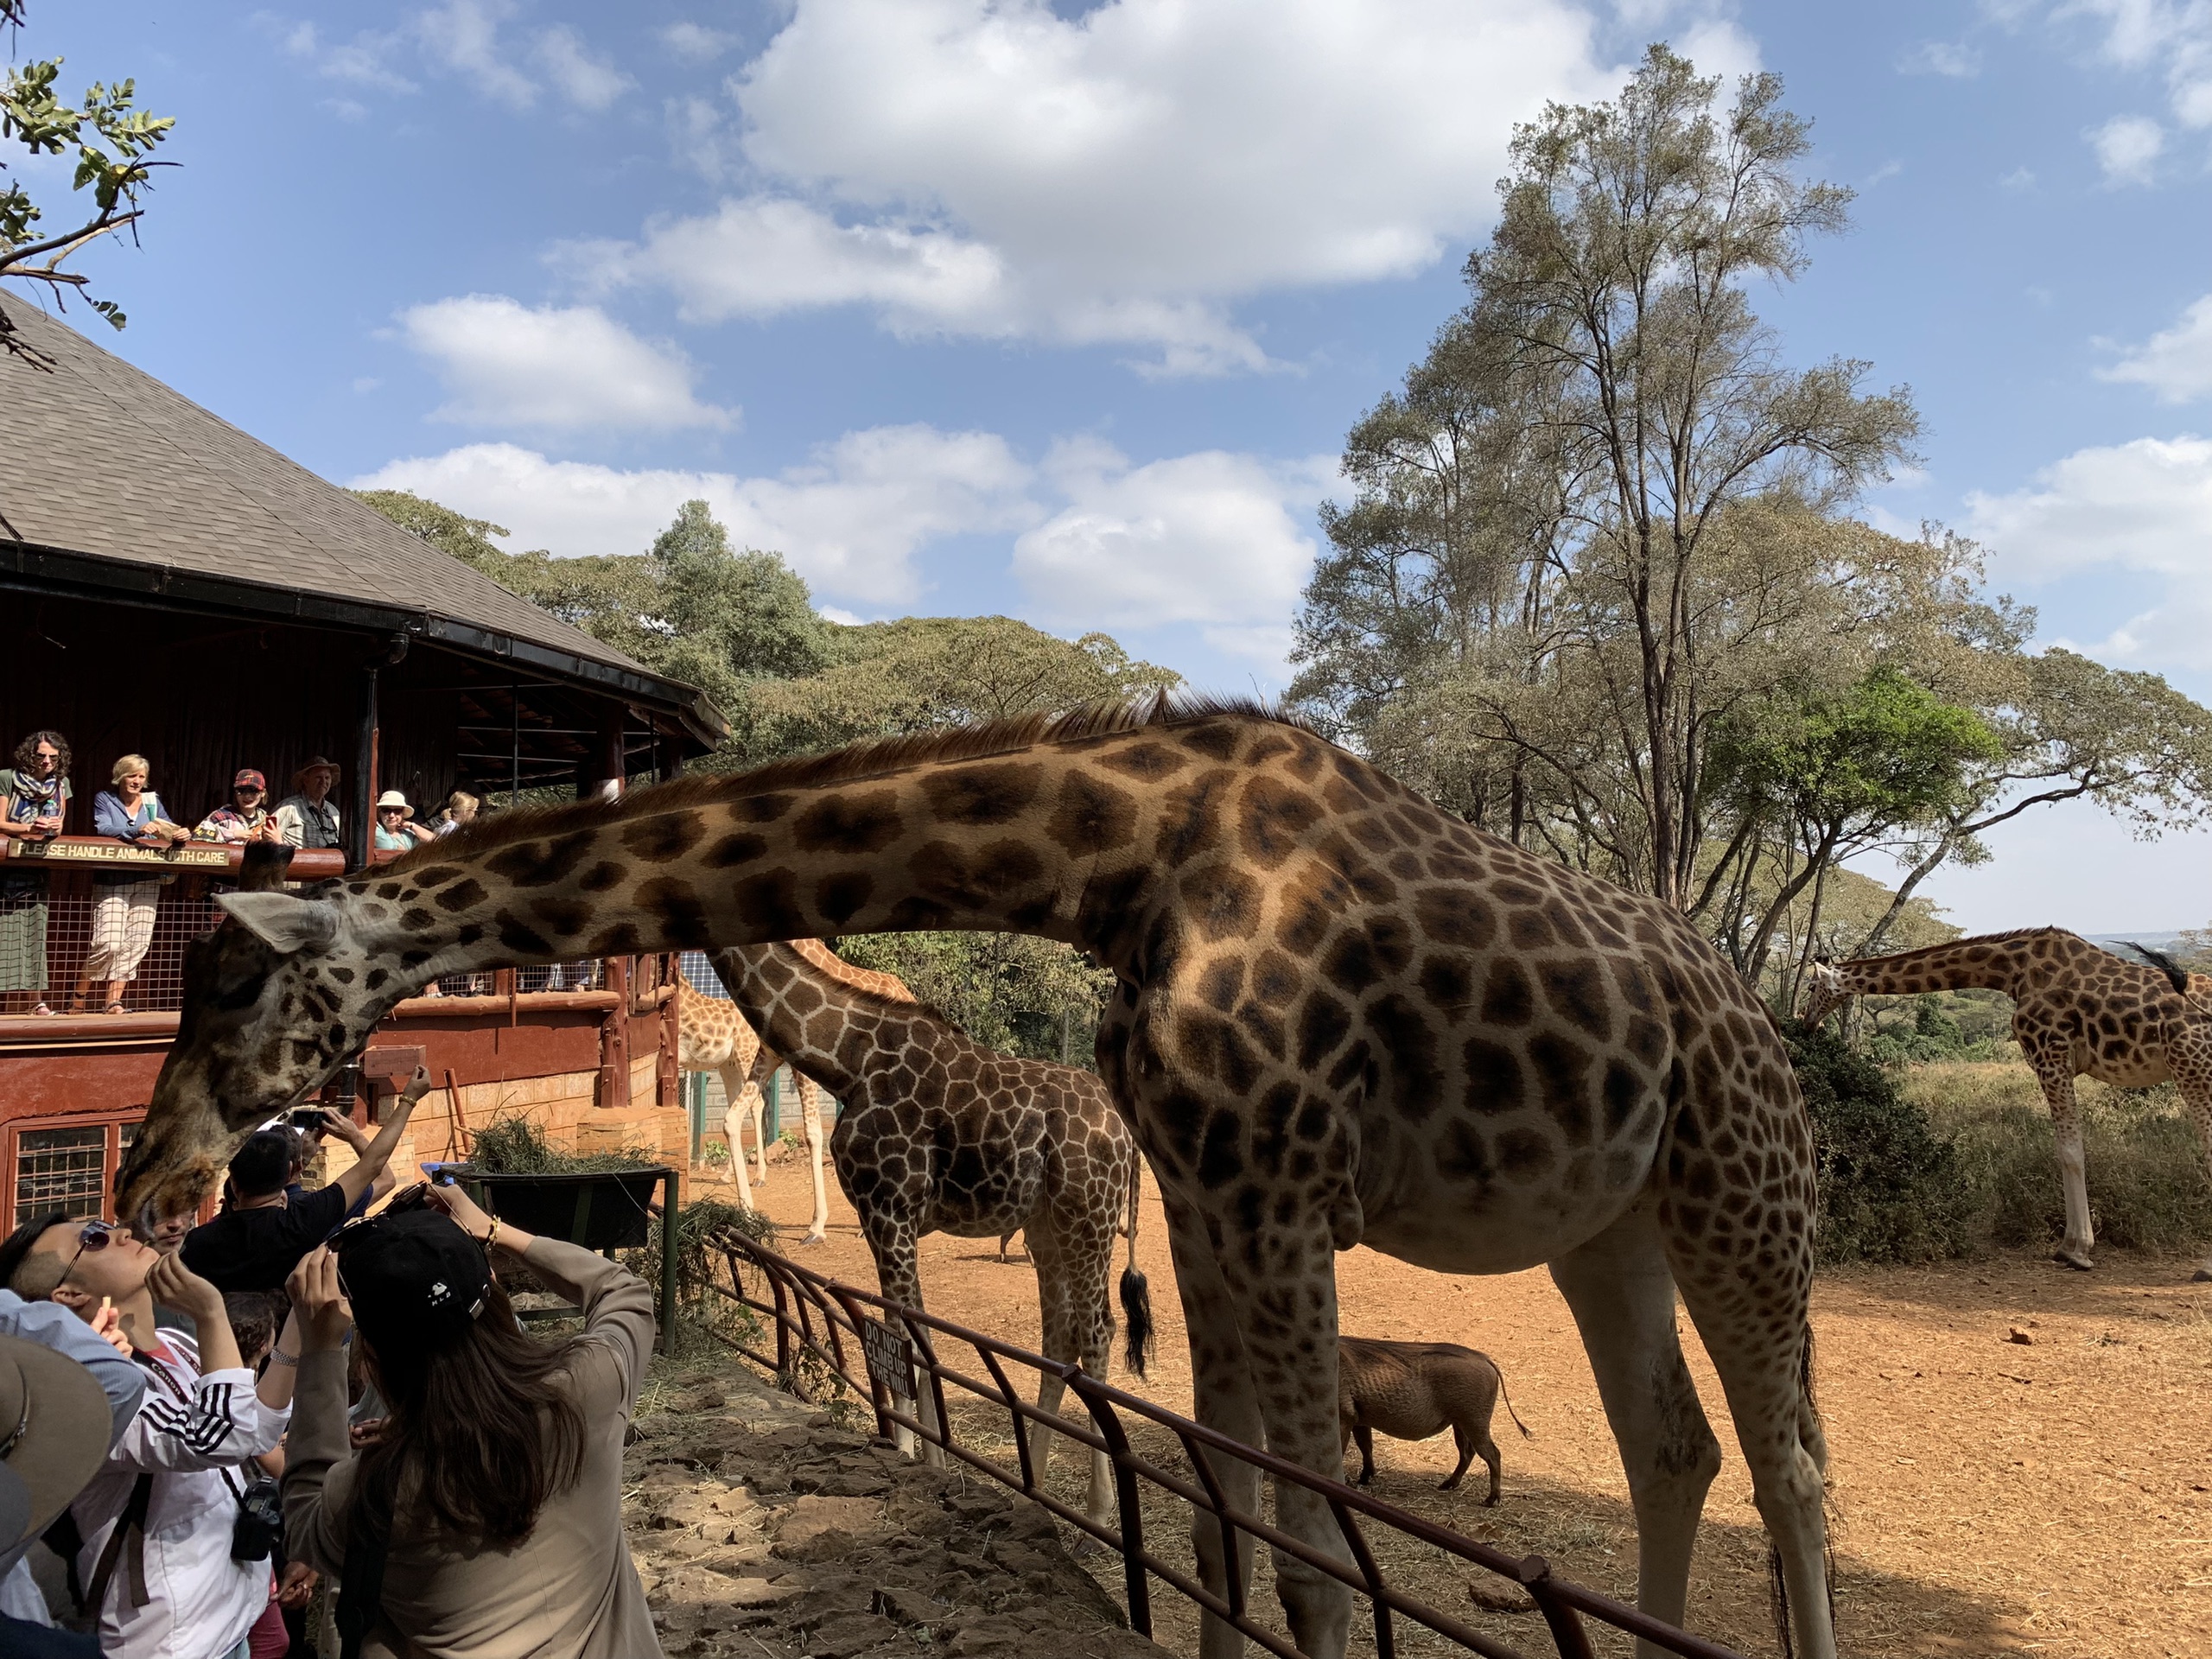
(121,943)
(62,1169)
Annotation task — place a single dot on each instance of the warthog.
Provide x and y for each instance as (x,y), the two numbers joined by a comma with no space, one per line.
(1410,1390)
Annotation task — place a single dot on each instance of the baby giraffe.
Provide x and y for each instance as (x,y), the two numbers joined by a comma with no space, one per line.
(942,1134)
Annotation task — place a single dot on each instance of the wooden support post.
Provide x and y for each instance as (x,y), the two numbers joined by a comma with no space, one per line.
(614,1039)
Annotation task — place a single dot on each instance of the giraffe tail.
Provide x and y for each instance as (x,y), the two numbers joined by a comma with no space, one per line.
(1136,1292)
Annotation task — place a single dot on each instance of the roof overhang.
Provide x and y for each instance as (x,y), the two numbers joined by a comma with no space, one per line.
(29,567)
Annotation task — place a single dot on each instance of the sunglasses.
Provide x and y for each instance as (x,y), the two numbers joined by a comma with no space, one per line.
(96,1236)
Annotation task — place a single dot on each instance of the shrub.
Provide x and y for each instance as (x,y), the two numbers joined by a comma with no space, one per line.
(1890,1188)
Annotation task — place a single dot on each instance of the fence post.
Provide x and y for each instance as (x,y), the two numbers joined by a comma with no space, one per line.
(1128,1506)
(1568,1634)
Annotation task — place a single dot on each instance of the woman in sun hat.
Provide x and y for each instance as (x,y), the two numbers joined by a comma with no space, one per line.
(396,831)
(487,1519)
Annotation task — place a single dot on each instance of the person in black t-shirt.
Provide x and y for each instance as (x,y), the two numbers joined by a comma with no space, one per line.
(257,1242)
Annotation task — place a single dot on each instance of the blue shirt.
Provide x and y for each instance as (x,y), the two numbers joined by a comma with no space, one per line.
(52,1326)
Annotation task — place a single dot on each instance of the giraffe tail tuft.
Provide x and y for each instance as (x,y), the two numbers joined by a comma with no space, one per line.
(1137,1327)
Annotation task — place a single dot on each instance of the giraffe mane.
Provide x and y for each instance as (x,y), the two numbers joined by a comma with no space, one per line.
(1965,938)
(982,741)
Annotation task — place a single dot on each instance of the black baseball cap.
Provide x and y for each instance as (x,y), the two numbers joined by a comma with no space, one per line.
(412,1276)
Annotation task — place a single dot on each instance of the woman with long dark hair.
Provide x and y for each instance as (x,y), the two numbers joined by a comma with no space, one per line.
(484,1518)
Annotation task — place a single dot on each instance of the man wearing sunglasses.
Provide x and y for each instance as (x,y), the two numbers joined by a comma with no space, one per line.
(171,1482)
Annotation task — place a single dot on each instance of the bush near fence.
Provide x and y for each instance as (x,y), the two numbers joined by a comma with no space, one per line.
(1955,1159)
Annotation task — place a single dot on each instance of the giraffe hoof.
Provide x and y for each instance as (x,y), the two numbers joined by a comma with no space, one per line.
(816,1238)
(2201,1276)
(2077,1259)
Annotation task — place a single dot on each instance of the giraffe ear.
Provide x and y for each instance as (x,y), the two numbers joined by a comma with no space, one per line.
(287,924)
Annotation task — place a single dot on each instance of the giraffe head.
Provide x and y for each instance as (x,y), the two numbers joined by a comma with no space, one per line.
(1824,992)
(303,964)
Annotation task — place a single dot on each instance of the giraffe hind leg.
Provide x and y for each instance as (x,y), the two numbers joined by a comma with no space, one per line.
(1621,1291)
(2192,1068)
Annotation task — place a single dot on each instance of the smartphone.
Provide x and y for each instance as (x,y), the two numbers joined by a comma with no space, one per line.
(310,1118)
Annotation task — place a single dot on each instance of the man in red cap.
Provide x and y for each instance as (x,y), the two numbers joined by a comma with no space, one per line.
(247,817)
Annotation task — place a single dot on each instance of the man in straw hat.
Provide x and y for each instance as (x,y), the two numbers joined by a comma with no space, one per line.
(67,1394)
(307,816)
(166,1491)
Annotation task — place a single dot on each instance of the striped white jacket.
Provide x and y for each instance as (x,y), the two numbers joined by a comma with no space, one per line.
(190,1431)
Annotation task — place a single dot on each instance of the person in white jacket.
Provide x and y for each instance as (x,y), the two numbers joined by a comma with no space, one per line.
(175,1592)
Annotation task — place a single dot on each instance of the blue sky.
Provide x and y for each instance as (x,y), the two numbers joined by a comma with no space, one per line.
(1063,310)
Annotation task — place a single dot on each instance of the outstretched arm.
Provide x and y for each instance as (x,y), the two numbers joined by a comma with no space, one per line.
(378,1153)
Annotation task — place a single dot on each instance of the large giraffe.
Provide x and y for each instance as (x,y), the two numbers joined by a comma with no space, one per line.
(2076,1011)
(939,1134)
(713,1036)
(1342,1016)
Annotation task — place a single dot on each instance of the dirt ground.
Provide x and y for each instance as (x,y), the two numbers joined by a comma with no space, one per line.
(2051,1497)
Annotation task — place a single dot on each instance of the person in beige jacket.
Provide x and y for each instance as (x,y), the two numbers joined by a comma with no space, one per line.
(485,1519)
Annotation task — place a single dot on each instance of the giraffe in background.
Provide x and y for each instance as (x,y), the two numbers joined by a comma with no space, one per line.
(1342,1016)
(2077,1011)
(939,1134)
(713,1036)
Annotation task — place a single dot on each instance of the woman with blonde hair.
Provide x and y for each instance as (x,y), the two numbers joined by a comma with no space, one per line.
(122,914)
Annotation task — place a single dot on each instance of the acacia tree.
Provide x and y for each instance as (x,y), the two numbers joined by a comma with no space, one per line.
(111,140)
(1560,477)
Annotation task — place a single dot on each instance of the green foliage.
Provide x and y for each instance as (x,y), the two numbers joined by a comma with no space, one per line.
(111,138)
(1008,991)
(1936,1025)
(1892,1190)
(731,619)
(516,1145)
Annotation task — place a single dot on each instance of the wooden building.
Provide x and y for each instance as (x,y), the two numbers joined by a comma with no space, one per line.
(174,589)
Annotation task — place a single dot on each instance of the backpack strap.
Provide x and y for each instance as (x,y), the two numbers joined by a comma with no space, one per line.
(90,1600)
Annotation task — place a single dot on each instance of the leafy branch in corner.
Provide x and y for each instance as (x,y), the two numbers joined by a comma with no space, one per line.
(112,139)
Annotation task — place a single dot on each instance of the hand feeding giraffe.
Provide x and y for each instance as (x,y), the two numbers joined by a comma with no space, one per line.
(939,1134)
(2077,1010)
(713,1036)
(1342,1016)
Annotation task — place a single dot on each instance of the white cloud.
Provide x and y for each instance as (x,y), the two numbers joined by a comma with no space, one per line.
(508,364)
(1947,58)
(2127,148)
(2144,508)
(696,43)
(588,82)
(995,170)
(1221,541)
(850,520)
(462,36)
(2174,36)
(1210,537)
(2177,362)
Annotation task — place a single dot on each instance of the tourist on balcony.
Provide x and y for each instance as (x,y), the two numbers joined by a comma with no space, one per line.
(307,816)
(460,809)
(489,1511)
(124,901)
(33,801)
(397,830)
(247,817)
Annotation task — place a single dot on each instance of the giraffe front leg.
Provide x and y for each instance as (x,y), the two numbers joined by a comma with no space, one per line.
(1074,1262)
(2192,1069)
(892,1241)
(2057,1079)
(735,1108)
(809,1111)
(1622,1294)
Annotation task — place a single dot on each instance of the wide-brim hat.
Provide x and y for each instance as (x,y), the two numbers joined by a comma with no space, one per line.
(391,797)
(311,764)
(54,1430)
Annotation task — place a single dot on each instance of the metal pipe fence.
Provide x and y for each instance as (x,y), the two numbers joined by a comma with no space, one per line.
(822,1320)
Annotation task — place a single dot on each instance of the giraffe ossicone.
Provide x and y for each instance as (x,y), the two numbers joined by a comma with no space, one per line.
(1341,1016)
(2077,1011)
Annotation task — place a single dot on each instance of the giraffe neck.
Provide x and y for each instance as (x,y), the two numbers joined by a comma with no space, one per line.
(1955,966)
(784,993)
(1069,840)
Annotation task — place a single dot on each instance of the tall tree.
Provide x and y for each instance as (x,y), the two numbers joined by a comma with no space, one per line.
(111,140)
(1566,474)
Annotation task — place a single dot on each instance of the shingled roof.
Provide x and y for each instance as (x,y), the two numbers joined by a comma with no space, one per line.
(110,481)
